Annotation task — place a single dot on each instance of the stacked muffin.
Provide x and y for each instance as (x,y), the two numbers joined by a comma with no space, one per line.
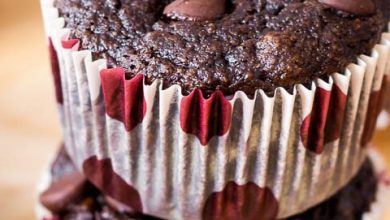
(214,109)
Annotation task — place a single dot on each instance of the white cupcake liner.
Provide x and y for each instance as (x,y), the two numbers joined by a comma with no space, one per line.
(383,121)
(174,174)
(42,213)
(384,118)
(377,208)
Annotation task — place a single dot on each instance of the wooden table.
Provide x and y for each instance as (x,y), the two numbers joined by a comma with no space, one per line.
(29,129)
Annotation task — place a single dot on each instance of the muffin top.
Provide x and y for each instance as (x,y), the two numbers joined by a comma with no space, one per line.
(227,45)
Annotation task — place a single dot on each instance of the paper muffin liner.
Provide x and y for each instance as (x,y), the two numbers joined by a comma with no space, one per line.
(383,121)
(42,213)
(188,157)
(376,212)
(378,208)
(384,118)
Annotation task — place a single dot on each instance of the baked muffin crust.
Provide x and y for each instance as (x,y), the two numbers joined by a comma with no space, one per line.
(255,44)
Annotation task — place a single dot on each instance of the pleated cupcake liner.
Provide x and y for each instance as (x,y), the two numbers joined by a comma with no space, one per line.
(41,212)
(188,157)
(376,212)
(382,202)
(384,117)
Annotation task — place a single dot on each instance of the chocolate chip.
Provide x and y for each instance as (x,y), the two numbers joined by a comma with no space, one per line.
(64,191)
(358,7)
(195,10)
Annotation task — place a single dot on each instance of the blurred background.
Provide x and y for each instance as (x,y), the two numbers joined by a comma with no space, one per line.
(29,129)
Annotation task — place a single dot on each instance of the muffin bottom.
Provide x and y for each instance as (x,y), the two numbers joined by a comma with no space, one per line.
(350,203)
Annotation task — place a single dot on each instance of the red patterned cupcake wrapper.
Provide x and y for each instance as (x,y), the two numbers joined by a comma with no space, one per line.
(377,208)
(384,118)
(191,157)
(382,201)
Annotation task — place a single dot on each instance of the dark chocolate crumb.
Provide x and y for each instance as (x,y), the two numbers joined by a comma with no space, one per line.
(256,44)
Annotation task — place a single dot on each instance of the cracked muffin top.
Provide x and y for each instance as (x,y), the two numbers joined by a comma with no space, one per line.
(227,45)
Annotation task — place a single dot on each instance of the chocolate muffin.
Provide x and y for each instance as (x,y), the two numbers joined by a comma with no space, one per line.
(141,148)
(350,203)
(227,45)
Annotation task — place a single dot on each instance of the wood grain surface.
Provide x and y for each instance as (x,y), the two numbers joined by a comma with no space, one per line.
(29,129)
